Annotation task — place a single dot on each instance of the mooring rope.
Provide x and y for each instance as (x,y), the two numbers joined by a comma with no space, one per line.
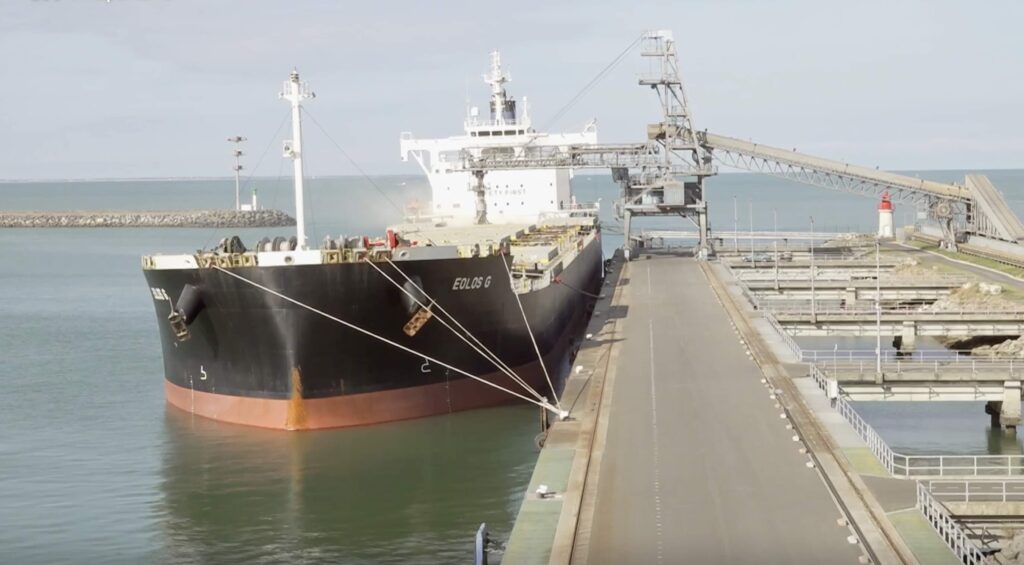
(558,280)
(497,360)
(540,358)
(488,355)
(545,405)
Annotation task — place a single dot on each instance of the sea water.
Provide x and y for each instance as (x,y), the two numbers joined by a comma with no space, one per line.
(94,467)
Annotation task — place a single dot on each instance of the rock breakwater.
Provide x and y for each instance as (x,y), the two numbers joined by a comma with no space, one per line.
(149,219)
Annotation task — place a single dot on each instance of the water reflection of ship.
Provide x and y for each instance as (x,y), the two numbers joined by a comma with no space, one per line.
(398,491)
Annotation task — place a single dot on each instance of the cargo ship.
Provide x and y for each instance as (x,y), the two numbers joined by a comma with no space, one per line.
(478,301)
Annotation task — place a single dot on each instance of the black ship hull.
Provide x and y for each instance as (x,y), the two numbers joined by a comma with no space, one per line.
(254,358)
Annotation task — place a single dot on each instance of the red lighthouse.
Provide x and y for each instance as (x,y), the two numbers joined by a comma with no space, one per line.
(885,228)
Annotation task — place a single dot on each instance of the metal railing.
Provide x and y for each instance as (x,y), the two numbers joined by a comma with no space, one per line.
(915,312)
(851,355)
(576,210)
(951,532)
(783,334)
(900,465)
(1005,369)
(977,491)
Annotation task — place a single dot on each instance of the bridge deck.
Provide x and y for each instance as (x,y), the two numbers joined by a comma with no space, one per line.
(698,466)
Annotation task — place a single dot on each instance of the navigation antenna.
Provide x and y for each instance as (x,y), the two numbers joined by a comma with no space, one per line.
(502,108)
(295,92)
(237,140)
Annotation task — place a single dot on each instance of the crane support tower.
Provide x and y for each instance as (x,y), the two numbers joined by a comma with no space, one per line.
(663,187)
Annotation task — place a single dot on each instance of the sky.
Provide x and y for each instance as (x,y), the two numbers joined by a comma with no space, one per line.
(152,88)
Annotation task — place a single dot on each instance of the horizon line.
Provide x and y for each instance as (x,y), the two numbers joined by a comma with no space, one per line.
(584,172)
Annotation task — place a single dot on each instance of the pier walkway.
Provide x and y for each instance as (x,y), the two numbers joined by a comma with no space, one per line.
(698,465)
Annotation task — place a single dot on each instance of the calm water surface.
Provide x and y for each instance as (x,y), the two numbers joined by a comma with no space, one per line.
(95,468)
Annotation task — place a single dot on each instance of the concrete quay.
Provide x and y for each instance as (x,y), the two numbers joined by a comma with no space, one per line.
(907,324)
(147,219)
(689,441)
(856,291)
(839,264)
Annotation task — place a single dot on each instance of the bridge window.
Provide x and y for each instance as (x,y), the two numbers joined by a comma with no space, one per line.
(485,133)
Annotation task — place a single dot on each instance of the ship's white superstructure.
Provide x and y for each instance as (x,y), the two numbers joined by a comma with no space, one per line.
(511,196)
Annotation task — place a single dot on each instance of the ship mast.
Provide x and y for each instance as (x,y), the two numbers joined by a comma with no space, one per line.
(295,92)
(497,78)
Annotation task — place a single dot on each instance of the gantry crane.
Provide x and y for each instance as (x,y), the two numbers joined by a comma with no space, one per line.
(665,174)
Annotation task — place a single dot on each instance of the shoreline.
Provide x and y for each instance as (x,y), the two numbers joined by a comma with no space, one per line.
(146,219)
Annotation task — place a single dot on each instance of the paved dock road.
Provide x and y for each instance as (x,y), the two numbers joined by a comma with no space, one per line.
(698,466)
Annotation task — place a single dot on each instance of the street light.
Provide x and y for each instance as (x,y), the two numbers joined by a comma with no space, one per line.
(814,317)
(237,140)
(750,212)
(776,244)
(735,224)
(878,308)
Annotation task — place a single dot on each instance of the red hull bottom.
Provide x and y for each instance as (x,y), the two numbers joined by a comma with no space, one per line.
(300,413)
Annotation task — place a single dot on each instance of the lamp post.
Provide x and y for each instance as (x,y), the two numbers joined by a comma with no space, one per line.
(735,224)
(237,140)
(750,213)
(814,315)
(878,309)
(776,244)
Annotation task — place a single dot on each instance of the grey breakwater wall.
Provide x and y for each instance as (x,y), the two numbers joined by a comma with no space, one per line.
(150,219)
